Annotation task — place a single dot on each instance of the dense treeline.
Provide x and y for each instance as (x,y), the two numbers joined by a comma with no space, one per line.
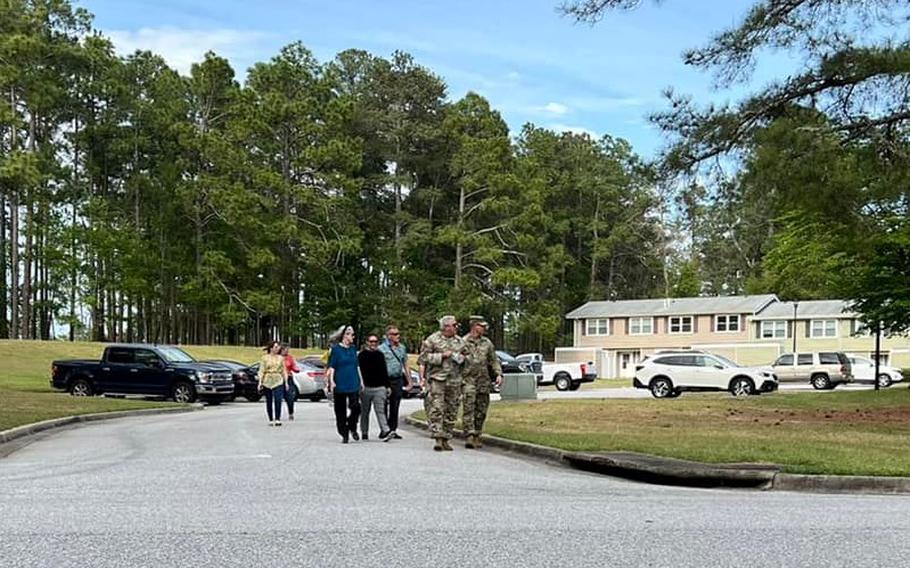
(139,204)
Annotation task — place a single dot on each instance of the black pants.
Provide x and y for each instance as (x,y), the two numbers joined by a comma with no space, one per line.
(343,402)
(290,395)
(393,402)
(273,398)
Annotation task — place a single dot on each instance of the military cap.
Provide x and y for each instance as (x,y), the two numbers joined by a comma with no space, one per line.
(474,320)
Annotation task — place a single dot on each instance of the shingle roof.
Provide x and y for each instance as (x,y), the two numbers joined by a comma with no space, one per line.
(673,306)
(807,309)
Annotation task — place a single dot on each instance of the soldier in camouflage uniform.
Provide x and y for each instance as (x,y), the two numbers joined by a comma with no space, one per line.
(442,355)
(480,362)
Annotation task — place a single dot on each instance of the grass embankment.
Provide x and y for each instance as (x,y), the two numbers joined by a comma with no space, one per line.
(25,393)
(842,433)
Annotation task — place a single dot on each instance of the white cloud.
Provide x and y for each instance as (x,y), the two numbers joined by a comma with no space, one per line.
(606,104)
(555,108)
(183,47)
(573,129)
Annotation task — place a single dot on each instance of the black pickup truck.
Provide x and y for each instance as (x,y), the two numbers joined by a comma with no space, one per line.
(142,369)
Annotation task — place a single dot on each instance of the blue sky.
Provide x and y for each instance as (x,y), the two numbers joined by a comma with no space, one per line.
(533,64)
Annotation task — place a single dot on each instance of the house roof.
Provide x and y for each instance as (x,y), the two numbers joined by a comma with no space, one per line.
(674,306)
(807,309)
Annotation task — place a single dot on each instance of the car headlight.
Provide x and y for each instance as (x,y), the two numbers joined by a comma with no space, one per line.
(203,377)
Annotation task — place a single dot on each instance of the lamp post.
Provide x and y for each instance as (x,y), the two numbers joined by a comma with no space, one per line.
(795,306)
(878,351)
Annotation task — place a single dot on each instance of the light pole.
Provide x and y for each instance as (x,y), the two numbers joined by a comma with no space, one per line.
(795,306)
(878,351)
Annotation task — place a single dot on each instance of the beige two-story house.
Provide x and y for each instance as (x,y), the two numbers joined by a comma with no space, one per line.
(752,330)
(825,325)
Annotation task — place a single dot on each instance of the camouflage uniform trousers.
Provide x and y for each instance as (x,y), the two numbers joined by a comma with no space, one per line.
(476,403)
(444,399)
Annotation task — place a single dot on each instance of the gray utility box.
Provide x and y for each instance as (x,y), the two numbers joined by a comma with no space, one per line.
(518,386)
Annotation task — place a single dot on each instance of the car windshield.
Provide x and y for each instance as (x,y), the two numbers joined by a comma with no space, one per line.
(506,357)
(175,355)
(725,361)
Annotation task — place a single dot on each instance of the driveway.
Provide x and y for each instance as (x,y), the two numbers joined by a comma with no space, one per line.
(220,488)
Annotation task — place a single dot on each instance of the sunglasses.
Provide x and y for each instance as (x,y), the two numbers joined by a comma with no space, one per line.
(372,341)
(394,333)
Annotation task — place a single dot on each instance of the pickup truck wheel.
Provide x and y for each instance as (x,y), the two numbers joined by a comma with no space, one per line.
(884,381)
(661,387)
(81,387)
(183,391)
(741,386)
(563,381)
(821,382)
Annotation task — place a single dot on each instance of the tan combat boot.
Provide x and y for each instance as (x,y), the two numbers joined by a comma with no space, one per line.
(469,442)
(446,446)
(477,443)
(438,445)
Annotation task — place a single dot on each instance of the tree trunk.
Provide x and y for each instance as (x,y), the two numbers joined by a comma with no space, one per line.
(459,248)
(14,233)
(4,303)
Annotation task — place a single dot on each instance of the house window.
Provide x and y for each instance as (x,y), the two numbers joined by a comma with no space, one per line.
(641,326)
(773,329)
(824,328)
(726,323)
(598,326)
(681,324)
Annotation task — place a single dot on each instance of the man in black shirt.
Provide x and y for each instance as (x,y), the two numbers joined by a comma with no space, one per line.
(376,387)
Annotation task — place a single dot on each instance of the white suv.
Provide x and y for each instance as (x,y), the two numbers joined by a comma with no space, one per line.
(668,374)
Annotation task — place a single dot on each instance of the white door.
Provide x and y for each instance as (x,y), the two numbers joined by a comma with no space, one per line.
(625,362)
(863,369)
(712,373)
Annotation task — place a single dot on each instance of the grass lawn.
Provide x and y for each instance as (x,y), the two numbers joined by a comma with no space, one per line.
(26,396)
(844,433)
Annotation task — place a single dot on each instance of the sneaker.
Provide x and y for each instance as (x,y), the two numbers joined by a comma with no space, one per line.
(291,418)
(271,422)
(365,436)
(383,435)
(278,423)
(344,439)
(446,446)
(438,445)
(395,435)
(355,435)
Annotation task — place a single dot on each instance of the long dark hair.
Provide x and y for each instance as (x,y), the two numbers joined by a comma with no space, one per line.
(269,345)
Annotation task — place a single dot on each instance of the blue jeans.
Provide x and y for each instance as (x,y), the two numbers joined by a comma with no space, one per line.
(274,399)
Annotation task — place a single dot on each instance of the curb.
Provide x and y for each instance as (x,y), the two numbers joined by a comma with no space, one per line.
(670,471)
(28,430)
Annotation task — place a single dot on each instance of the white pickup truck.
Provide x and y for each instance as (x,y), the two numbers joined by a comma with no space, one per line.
(566,376)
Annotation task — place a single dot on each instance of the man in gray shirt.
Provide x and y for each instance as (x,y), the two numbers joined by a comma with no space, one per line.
(396,360)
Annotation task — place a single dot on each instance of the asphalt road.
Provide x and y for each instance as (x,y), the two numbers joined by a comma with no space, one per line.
(220,488)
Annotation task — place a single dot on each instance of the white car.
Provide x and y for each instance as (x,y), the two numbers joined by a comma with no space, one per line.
(864,372)
(668,374)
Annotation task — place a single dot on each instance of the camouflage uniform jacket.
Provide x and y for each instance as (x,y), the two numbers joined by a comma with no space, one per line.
(437,368)
(480,358)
